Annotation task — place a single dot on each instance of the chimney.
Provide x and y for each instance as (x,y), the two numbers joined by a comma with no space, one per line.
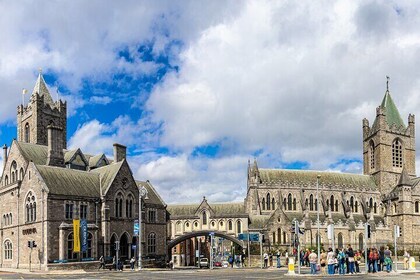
(4,156)
(55,146)
(120,152)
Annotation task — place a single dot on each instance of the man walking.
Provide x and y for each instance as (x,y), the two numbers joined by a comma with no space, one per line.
(102,263)
(313,258)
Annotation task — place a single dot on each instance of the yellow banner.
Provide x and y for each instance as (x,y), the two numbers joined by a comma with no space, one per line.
(76,234)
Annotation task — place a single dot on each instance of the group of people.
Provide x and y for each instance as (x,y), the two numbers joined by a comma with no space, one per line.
(379,259)
(117,264)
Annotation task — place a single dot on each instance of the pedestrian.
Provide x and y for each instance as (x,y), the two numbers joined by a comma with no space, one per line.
(286,255)
(265,260)
(230,261)
(132,261)
(350,255)
(323,259)
(381,259)
(102,263)
(313,258)
(270,264)
(406,258)
(388,260)
(357,260)
(341,261)
(278,259)
(330,261)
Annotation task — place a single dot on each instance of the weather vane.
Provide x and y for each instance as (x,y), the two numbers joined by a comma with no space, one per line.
(387,83)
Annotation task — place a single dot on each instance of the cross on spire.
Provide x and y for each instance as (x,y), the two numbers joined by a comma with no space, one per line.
(387,83)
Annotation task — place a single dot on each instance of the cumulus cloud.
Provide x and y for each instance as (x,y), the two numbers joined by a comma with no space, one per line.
(291,79)
(285,81)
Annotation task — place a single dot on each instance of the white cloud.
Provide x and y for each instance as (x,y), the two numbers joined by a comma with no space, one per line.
(102,100)
(292,79)
(181,179)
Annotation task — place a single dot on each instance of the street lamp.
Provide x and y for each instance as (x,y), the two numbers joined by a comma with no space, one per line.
(142,194)
(317,217)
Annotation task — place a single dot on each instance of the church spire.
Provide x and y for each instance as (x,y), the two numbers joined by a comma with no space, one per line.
(42,89)
(392,114)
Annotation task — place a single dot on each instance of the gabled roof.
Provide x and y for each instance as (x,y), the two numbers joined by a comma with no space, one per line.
(107,174)
(42,90)
(64,181)
(342,180)
(153,196)
(33,152)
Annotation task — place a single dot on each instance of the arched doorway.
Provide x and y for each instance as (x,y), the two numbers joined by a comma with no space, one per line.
(361,241)
(124,247)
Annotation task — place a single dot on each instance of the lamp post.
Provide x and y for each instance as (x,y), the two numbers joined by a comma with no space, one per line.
(142,193)
(318,241)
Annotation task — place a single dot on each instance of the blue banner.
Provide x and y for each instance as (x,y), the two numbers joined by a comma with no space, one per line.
(84,235)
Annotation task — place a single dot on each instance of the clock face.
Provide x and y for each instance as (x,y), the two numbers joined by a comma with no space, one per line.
(124,183)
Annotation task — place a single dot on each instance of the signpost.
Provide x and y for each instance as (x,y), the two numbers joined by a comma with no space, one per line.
(211,249)
(136,227)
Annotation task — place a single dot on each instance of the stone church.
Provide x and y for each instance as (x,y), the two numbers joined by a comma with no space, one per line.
(387,194)
(44,186)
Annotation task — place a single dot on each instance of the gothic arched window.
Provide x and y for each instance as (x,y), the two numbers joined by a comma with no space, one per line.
(356,207)
(289,202)
(27,133)
(30,206)
(204,218)
(8,250)
(118,205)
(268,202)
(416,207)
(284,203)
(230,226)
(375,208)
(340,240)
(273,204)
(263,203)
(178,227)
(352,204)
(311,202)
(294,204)
(372,155)
(13,172)
(238,227)
(397,158)
(129,206)
(151,243)
(332,203)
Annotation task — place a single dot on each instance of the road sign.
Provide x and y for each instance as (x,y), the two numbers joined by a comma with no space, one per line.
(211,233)
(252,236)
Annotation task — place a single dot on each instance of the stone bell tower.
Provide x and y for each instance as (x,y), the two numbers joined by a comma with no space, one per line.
(40,112)
(389,145)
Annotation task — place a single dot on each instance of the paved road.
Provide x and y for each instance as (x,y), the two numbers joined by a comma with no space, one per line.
(206,274)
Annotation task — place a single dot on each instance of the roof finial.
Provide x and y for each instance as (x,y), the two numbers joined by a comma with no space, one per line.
(40,70)
(387,83)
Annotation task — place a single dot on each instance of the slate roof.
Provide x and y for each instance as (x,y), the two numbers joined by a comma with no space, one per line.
(107,174)
(42,90)
(37,153)
(152,196)
(64,181)
(310,177)
(220,209)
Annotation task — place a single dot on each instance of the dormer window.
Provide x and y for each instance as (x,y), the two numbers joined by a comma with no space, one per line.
(204,218)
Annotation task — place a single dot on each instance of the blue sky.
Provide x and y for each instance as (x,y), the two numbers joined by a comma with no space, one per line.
(197,88)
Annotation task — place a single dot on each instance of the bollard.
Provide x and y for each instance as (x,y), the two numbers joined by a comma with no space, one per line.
(291,266)
(411,263)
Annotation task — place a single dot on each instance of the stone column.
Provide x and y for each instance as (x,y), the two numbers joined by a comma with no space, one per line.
(62,242)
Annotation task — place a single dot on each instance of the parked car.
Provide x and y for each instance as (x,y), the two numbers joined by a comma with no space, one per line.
(204,262)
(217,264)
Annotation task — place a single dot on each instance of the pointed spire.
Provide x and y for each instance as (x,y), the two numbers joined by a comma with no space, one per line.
(390,109)
(42,89)
(404,178)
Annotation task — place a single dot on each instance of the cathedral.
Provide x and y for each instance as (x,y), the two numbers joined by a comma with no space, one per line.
(45,187)
(387,193)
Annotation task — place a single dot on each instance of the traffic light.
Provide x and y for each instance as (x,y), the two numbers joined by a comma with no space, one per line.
(368,231)
(400,231)
(31,244)
(262,238)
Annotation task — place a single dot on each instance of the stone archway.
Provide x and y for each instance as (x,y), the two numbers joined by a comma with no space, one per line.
(124,246)
(189,235)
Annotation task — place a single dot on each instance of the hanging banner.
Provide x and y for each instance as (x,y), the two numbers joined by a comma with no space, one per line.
(76,235)
(84,235)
